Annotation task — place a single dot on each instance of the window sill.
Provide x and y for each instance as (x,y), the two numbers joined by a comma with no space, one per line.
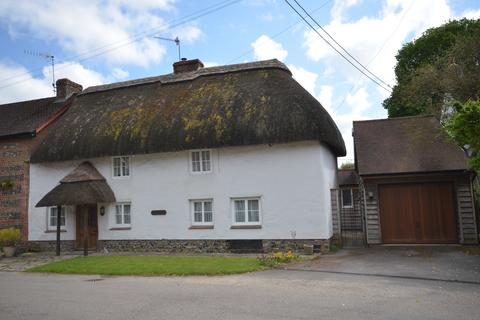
(200,227)
(120,228)
(246,227)
(55,231)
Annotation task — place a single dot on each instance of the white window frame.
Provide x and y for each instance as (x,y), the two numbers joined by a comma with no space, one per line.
(246,223)
(201,161)
(122,175)
(64,211)
(114,218)
(192,212)
(351,197)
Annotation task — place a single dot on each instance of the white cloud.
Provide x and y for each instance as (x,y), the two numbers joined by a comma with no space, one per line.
(77,73)
(340,7)
(82,27)
(306,78)
(265,48)
(208,64)
(119,73)
(325,97)
(268,17)
(470,14)
(187,34)
(27,87)
(365,37)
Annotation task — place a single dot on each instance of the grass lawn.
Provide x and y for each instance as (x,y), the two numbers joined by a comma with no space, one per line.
(151,265)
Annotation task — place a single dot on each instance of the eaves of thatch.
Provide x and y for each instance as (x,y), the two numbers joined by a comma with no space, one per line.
(244,104)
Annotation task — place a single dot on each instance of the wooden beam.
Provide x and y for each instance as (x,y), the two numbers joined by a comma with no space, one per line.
(85,231)
(59,213)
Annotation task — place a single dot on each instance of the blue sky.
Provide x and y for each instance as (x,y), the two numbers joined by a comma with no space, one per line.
(97,42)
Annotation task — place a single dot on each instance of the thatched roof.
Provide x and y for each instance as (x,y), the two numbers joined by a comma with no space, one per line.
(26,117)
(405,145)
(244,104)
(84,185)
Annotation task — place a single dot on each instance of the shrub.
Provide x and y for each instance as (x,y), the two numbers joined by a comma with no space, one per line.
(273,259)
(9,237)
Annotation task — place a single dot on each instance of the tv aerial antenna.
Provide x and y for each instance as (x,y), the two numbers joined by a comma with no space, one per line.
(48,56)
(177,42)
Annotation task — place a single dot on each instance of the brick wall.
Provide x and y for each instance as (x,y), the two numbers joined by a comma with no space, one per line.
(14,167)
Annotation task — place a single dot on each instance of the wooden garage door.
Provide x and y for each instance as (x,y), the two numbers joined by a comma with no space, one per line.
(418,213)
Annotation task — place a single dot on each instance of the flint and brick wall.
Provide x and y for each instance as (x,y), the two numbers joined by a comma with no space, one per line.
(14,169)
(187,246)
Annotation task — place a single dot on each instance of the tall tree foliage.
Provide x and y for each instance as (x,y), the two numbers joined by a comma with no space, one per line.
(464,127)
(436,70)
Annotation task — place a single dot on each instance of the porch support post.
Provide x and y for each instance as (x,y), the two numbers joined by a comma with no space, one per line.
(59,214)
(85,231)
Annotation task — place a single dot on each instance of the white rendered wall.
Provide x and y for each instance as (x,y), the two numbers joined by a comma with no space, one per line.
(292,180)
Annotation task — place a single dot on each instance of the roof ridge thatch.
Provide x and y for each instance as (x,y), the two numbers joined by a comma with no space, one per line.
(188,76)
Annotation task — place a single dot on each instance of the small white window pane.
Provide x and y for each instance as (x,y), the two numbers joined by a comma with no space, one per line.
(196,161)
(197,211)
(126,214)
(53,217)
(62,217)
(206,160)
(239,211)
(118,214)
(125,166)
(207,211)
(126,219)
(253,211)
(208,216)
(116,167)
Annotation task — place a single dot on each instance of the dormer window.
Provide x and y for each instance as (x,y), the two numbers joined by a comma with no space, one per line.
(201,161)
(121,167)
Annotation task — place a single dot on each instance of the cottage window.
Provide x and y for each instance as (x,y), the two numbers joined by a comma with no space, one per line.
(202,212)
(201,161)
(123,214)
(121,166)
(52,214)
(246,211)
(347,198)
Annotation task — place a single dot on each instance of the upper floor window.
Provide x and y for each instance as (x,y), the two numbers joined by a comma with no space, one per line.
(246,211)
(52,216)
(123,214)
(121,166)
(202,212)
(201,161)
(347,198)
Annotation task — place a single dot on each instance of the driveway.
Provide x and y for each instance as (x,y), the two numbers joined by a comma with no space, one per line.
(457,264)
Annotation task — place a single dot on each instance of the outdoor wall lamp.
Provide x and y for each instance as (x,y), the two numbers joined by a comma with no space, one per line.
(102,210)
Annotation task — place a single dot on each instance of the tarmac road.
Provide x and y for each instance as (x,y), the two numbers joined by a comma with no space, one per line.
(275,294)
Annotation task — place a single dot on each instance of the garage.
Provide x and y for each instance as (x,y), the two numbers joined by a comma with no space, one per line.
(417,212)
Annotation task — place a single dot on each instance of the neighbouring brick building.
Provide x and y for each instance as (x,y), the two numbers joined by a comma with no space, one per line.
(22,126)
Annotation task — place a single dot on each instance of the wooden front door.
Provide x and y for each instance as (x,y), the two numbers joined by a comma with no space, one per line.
(92,233)
(418,213)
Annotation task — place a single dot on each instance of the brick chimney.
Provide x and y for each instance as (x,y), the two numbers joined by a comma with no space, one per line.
(187,65)
(66,87)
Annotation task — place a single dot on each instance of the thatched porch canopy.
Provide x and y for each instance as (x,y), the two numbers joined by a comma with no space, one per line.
(84,185)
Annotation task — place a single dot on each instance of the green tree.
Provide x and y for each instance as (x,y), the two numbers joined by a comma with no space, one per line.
(436,70)
(464,127)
